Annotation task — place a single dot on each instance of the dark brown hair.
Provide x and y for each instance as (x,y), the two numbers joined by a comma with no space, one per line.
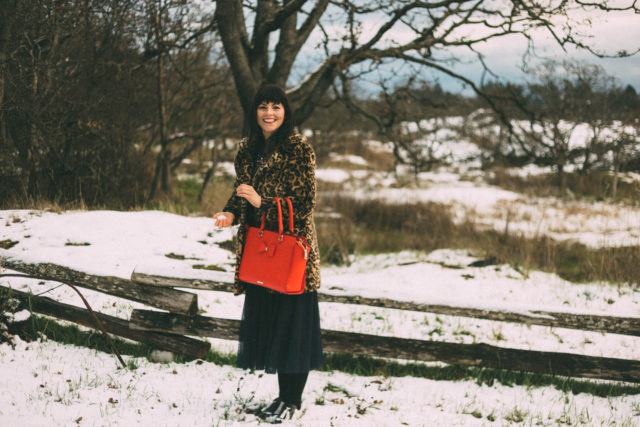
(275,94)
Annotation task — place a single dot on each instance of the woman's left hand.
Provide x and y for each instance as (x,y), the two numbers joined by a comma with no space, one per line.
(248,192)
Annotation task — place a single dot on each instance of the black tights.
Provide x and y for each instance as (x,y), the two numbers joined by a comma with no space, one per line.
(291,386)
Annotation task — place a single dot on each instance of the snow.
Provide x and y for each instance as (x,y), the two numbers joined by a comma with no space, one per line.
(332,175)
(66,385)
(348,158)
(595,224)
(47,383)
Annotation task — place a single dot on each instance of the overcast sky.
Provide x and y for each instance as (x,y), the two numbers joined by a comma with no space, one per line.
(611,32)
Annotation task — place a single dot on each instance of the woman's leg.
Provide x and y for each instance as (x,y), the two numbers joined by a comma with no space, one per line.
(292,386)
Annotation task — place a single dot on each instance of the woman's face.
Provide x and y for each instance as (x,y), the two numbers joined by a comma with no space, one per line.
(270,117)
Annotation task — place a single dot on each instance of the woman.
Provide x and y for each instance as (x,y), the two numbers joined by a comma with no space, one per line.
(279,333)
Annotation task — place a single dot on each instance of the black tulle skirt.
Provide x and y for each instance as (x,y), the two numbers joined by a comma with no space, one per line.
(279,333)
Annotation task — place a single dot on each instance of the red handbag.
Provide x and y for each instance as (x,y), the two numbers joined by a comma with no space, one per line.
(275,260)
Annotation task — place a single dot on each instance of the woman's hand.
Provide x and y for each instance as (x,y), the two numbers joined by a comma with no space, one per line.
(223,219)
(248,192)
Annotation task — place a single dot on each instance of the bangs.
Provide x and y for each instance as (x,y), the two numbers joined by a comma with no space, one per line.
(271,94)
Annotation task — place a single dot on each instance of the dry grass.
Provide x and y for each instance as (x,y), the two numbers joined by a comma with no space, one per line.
(354,144)
(42,205)
(375,227)
(592,186)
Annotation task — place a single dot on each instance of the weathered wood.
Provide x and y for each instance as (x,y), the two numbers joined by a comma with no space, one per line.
(175,343)
(558,319)
(172,300)
(202,326)
(224,284)
(485,355)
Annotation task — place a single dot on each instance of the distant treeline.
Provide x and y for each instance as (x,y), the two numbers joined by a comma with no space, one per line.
(100,102)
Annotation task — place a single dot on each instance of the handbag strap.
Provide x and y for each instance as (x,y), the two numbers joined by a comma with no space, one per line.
(280,226)
(290,214)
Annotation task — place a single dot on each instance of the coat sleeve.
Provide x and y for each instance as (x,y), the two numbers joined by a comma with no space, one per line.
(300,178)
(242,163)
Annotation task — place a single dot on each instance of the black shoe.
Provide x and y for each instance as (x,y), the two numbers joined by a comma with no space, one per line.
(283,412)
(268,411)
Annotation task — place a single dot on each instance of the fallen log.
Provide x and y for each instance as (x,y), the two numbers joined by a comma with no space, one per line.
(165,341)
(168,299)
(566,364)
(557,319)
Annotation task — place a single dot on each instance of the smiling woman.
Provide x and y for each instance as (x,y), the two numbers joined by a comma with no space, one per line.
(270,117)
(279,333)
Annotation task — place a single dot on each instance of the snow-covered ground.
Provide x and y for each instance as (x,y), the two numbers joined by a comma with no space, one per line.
(46,383)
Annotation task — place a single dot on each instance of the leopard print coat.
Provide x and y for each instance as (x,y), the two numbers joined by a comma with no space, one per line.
(288,172)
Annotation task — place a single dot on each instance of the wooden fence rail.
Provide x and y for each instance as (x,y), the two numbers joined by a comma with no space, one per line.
(170,331)
(169,299)
(558,319)
(114,325)
(403,348)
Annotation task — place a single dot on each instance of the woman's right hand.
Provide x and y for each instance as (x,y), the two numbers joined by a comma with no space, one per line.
(223,219)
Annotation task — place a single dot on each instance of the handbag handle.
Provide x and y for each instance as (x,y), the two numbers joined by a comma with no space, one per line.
(280,225)
(290,214)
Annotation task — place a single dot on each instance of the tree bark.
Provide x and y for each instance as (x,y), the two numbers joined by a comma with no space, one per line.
(210,171)
(485,355)
(231,25)
(175,343)
(616,172)
(7,8)
(162,165)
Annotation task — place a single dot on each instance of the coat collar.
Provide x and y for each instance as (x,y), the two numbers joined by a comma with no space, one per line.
(282,150)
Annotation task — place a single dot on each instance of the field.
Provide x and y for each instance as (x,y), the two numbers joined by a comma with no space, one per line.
(463,218)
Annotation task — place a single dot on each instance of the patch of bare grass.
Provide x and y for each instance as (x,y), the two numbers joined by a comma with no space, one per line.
(372,226)
(595,185)
(355,144)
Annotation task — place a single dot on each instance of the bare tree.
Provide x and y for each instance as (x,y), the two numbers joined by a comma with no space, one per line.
(263,38)
(7,11)
(194,103)
(70,87)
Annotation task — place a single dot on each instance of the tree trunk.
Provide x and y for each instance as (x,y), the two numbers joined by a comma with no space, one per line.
(210,171)
(562,180)
(7,8)
(231,25)
(616,172)
(162,173)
